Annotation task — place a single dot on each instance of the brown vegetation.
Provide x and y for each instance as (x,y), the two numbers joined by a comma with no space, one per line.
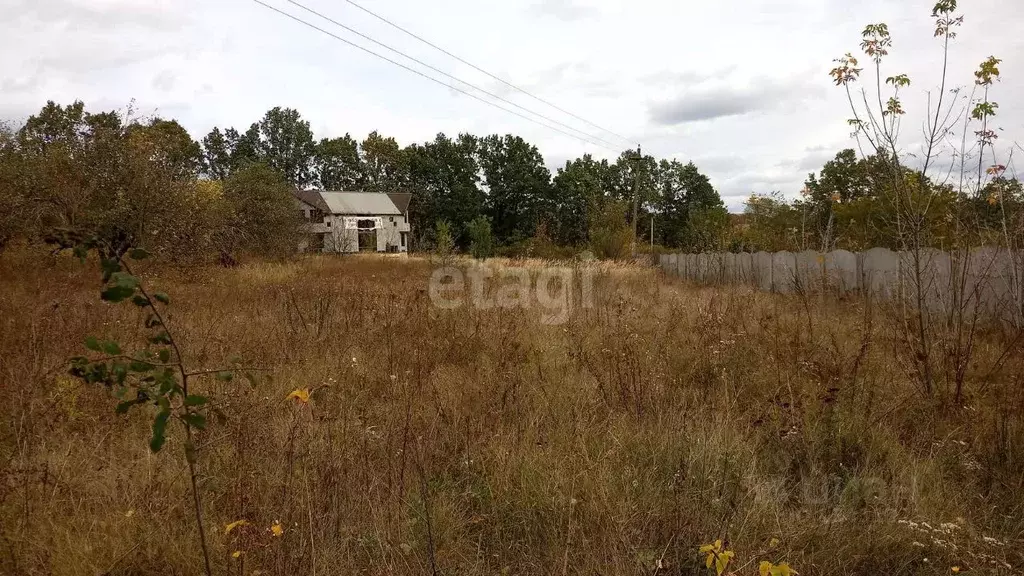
(482,442)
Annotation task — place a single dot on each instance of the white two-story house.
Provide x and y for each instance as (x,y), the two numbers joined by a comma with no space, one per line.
(354,221)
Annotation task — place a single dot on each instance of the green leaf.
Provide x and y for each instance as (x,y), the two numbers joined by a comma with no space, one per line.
(120,371)
(164,355)
(109,266)
(138,254)
(159,430)
(140,301)
(225,376)
(152,321)
(111,347)
(80,252)
(194,400)
(140,366)
(160,338)
(116,293)
(194,420)
(162,298)
(124,279)
(93,343)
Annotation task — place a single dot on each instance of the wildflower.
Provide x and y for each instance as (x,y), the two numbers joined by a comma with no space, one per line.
(236,553)
(276,529)
(955,569)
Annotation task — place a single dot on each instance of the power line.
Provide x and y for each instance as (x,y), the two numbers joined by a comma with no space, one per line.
(481,70)
(442,72)
(585,138)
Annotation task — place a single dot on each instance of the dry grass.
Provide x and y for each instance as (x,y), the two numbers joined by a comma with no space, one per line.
(487,443)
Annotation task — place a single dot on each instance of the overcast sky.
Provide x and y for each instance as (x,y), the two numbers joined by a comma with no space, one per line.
(738,86)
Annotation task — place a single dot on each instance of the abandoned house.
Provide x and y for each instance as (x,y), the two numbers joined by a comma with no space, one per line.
(354,221)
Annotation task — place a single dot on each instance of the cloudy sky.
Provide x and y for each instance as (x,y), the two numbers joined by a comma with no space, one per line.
(738,86)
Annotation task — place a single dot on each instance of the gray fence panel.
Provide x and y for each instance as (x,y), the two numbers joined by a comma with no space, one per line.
(881,269)
(784,272)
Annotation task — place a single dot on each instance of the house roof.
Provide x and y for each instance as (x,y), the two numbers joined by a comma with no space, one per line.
(401,200)
(353,203)
(313,198)
(360,203)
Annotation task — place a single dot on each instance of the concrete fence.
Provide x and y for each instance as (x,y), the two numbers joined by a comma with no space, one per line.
(986,279)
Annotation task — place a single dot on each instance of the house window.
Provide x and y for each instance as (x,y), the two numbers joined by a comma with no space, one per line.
(328,222)
(404,234)
(391,218)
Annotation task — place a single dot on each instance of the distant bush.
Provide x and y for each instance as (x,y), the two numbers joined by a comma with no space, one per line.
(610,235)
(481,238)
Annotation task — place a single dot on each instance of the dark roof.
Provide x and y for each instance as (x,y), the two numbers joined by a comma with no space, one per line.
(313,198)
(401,200)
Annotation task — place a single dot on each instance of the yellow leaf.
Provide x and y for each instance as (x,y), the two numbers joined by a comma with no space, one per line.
(955,569)
(300,395)
(228,528)
(236,553)
(783,569)
(764,568)
(722,561)
(710,560)
(276,529)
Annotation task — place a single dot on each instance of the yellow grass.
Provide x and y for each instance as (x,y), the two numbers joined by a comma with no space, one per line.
(485,442)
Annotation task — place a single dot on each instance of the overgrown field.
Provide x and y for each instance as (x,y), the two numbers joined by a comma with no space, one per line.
(483,442)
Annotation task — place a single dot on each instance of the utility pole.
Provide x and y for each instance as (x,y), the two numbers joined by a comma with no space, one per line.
(636,194)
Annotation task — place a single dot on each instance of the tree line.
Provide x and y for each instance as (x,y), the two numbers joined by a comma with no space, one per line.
(853,203)
(148,180)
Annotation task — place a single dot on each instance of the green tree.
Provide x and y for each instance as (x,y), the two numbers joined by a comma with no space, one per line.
(285,144)
(690,213)
(770,223)
(634,181)
(175,148)
(386,168)
(579,191)
(17,208)
(337,165)
(518,187)
(481,238)
(611,235)
(444,243)
(262,218)
(445,177)
(90,173)
(217,148)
